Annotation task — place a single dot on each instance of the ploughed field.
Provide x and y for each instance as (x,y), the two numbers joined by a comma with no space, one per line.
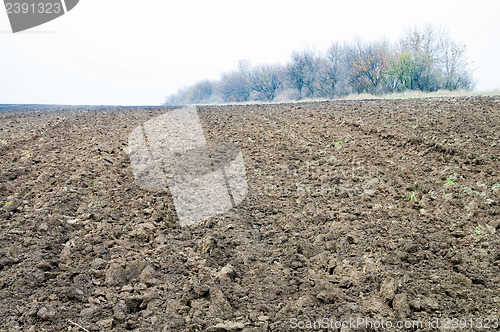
(382,210)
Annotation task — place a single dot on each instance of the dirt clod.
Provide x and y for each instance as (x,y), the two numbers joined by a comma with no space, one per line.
(46,314)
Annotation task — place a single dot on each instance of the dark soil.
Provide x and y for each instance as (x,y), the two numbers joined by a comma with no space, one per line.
(378,209)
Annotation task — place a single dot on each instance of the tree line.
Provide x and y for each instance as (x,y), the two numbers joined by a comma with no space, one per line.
(424,59)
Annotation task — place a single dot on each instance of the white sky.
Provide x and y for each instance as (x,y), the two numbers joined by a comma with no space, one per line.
(138,52)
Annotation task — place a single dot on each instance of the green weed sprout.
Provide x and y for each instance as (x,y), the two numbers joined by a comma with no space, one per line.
(7,203)
(477,230)
(94,183)
(414,126)
(411,196)
(452,179)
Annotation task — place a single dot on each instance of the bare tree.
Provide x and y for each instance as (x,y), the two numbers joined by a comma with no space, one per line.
(303,71)
(439,62)
(198,93)
(369,66)
(455,66)
(332,70)
(426,40)
(423,45)
(201,92)
(266,80)
(235,86)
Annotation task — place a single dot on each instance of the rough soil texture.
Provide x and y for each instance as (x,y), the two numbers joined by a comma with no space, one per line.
(379,209)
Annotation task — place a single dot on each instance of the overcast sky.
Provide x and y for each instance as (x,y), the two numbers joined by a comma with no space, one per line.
(133,52)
